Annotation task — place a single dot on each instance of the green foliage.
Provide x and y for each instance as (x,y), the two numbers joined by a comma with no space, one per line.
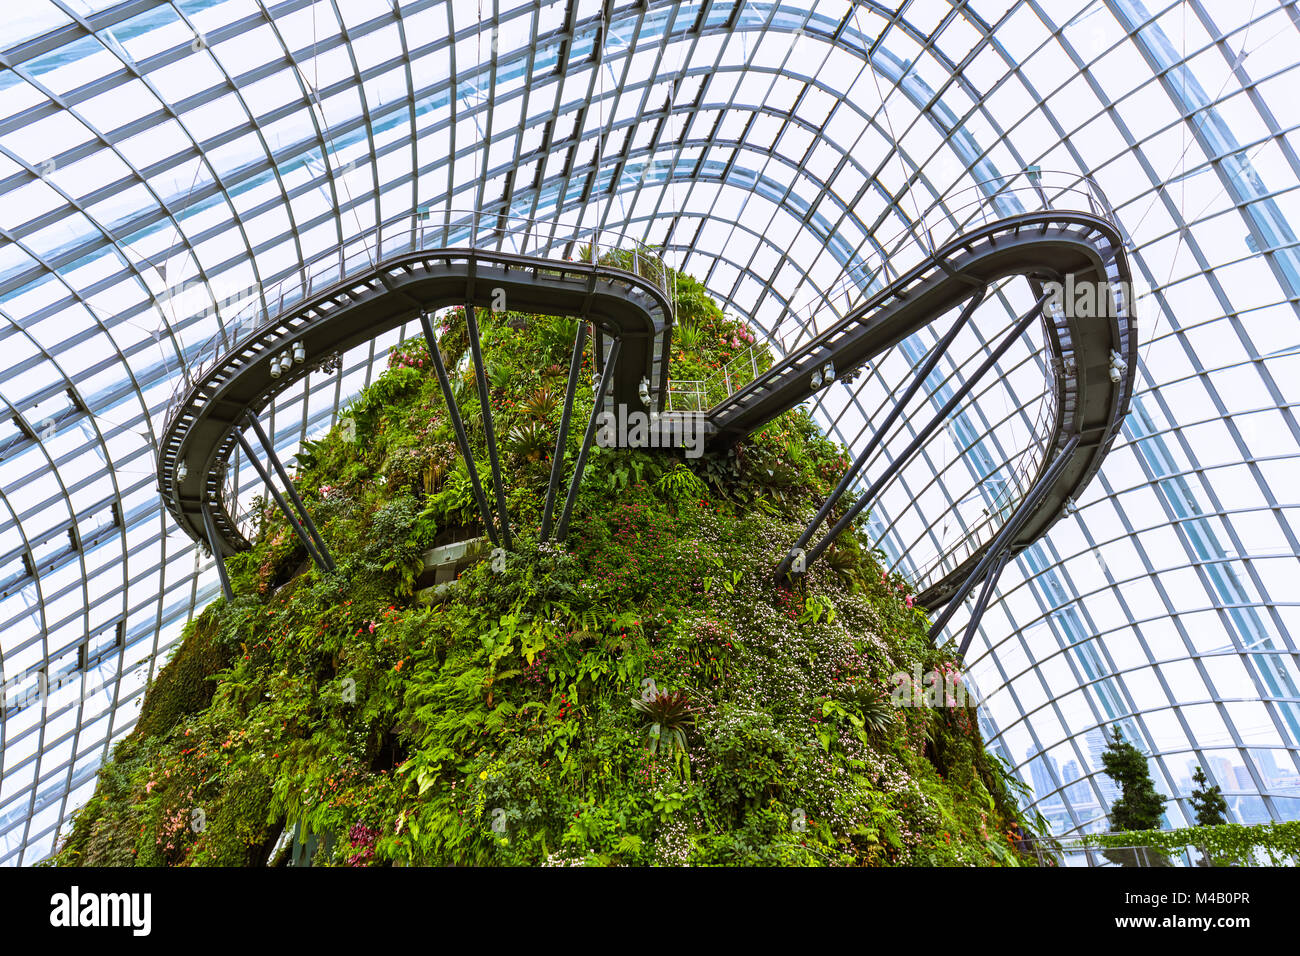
(489,723)
(669,713)
(1139,807)
(185,686)
(688,336)
(1208,803)
(1224,843)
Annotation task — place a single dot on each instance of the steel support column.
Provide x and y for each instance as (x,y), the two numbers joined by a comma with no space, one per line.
(308,524)
(878,435)
(485,402)
(924,434)
(215,547)
(557,463)
(462,439)
(601,392)
(1004,536)
(982,602)
(284,505)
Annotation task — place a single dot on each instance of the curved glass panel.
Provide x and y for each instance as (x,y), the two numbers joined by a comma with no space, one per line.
(161,164)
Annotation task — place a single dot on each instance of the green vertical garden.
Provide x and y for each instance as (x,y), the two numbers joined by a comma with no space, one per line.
(642,694)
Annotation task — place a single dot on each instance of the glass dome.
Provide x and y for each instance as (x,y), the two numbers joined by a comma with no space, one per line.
(163,163)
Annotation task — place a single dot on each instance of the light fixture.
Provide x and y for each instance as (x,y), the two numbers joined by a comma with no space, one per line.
(1117,366)
(182,471)
(299,353)
(644,391)
(817,379)
(275,366)
(828,372)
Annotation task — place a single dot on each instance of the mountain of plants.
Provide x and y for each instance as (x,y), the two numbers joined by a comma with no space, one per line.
(643,693)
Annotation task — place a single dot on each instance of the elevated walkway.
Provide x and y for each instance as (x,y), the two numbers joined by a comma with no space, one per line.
(1092,363)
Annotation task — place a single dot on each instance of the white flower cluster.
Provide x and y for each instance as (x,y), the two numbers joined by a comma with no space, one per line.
(672,844)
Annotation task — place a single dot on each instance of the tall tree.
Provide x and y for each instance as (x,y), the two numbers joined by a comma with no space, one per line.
(1139,807)
(1211,809)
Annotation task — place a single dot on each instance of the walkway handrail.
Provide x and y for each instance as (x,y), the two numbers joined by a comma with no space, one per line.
(947,217)
(420,231)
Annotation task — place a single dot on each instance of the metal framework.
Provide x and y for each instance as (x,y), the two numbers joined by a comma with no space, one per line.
(1058,246)
(158,160)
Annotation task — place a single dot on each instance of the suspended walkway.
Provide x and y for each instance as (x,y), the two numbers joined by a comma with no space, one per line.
(407,271)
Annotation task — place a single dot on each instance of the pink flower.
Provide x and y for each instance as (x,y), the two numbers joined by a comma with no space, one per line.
(908,601)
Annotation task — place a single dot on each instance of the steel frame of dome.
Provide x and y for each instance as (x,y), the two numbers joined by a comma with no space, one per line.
(156,153)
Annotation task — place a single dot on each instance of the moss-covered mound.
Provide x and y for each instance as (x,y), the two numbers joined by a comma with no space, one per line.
(642,694)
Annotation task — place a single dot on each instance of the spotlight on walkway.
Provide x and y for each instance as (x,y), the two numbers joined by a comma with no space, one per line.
(1117,366)
(299,353)
(275,366)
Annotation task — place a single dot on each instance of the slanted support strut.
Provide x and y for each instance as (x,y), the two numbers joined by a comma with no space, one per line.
(557,463)
(308,524)
(982,602)
(458,426)
(485,402)
(940,348)
(303,536)
(997,552)
(210,530)
(924,434)
(605,381)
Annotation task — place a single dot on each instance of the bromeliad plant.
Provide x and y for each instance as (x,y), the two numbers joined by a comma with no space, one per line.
(670,713)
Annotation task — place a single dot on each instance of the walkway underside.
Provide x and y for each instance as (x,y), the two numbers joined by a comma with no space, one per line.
(1092,361)
(1044,247)
(203,429)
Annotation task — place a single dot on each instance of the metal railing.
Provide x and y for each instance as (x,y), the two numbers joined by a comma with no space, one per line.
(687,395)
(1029,465)
(958,211)
(742,368)
(1074,851)
(423,230)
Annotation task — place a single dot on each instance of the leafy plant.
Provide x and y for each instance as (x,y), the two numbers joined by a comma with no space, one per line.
(557,337)
(1139,807)
(682,485)
(670,714)
(1211,809)
(540,403)
(500,375)
(530,440)
(688,336)
(877,711)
